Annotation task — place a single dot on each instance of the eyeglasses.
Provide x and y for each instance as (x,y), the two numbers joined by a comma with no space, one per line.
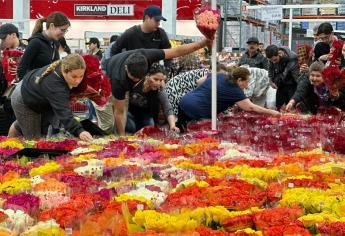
(63,30)
(325,37)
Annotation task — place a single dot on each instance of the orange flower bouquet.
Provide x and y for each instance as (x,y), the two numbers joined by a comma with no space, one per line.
(207,21)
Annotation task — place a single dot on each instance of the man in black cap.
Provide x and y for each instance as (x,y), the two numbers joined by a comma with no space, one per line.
(9,36)
(253,57)
(95,48)
(146,35)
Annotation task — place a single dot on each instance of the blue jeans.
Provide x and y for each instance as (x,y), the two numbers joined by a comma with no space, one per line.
(135,123)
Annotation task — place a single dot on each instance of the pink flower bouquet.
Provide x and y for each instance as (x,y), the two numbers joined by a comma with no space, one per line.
(207,21)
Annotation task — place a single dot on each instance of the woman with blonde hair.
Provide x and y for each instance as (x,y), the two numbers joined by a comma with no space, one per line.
(43,47)
(43,96)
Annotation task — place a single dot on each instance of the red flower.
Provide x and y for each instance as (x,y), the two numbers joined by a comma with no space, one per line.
(239,222)
(331,75)
(286,230)
(9,62)
(334,229)
(95,85)
(335,52)
(277,216)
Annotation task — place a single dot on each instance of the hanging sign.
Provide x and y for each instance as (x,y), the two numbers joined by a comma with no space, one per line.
(272,13)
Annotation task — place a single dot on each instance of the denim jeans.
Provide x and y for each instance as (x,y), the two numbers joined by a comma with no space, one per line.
(135,123)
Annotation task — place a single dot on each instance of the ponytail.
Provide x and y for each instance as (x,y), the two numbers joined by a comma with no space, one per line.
(71,62)
(38,26)
(50,69)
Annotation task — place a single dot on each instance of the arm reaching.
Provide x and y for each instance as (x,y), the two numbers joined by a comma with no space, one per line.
(247,105)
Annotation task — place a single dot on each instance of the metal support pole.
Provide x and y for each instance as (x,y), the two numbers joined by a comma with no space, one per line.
(240,47)
(169,12)
(290,28)
(214,78)
(225,32)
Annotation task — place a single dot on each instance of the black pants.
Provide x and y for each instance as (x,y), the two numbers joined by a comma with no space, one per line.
(7,116)
(182,120)
(284,94)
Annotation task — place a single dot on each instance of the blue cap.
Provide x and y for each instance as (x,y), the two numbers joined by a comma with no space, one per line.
(154,11)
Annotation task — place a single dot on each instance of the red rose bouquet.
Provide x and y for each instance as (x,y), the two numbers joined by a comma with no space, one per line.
(335,52)
(95,85)
(10,62)
(334,229)
(207,21)
(277,217)
(333,77)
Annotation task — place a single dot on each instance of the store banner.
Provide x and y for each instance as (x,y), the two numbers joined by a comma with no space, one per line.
(103,10)
(121,10)
(90,10)
(272,13)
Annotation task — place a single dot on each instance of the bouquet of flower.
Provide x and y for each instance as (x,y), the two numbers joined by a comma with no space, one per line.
(95,85)
(10,62)
(26,202)
(335,228)
(333,77)
(207,21)
(335,52)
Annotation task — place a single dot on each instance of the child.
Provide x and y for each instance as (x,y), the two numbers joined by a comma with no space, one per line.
(312,92)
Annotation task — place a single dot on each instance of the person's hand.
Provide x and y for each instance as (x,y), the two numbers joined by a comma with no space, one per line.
(175,129)
(290,105)
(208,42)
(304,68)
(86,136)
(324,57)
(273,85)
(275,113)
(334,93)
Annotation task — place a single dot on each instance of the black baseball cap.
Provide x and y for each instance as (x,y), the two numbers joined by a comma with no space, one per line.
(154,11)
(253,40)
(94,41)
(7,29)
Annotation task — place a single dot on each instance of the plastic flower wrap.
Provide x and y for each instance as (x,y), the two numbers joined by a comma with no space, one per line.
(45,228)
(18,221)
(10,62)
(25,202)
(67,144)
(49,167)
(49,200)
(207,21)
(276,216)
(333,77)
(11,143)
(95,85)
(80,184)
(93,168)
(16,186)
(50,185)
(335,52)
(336,228)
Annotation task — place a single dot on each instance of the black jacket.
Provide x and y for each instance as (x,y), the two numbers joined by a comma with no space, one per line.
(286,71)
(257,61)
(39,53)
(134,38)
(51,94)
(308,101)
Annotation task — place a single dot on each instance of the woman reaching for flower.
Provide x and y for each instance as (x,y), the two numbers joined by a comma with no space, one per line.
(43,96)
(145,100)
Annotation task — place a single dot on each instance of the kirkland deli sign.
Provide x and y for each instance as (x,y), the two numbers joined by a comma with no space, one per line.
(103,10)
